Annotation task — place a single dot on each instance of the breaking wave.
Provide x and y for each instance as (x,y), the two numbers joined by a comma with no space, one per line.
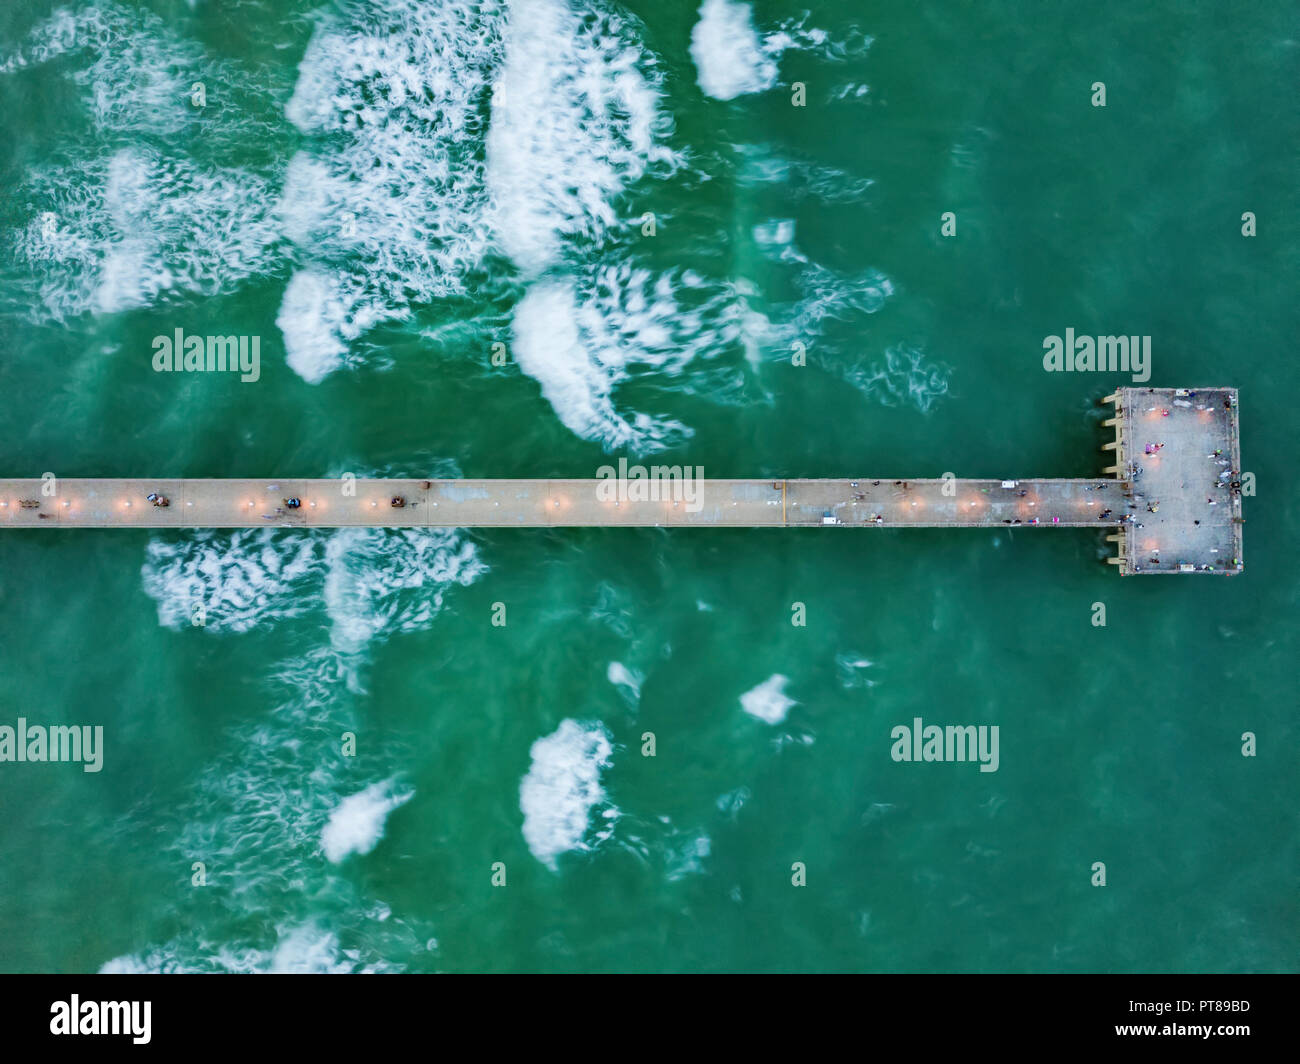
(575,121)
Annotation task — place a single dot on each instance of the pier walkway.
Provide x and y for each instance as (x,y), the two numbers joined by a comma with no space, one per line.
(1191,532)
(122,503)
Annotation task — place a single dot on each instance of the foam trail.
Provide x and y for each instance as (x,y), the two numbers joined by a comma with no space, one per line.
(260,817)
(852,670)
(803,178)
(124,223)
(905,377)
(381,581)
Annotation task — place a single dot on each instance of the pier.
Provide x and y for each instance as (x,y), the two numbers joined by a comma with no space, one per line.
(1195,526)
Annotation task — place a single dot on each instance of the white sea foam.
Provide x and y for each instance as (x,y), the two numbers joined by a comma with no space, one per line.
(575,120)
(121,227)
(839,47)
(852,669)
(732,59)
(234,580)
(685,853)
(387,203)
(357,825)
(138,78)
(308,949)
(731,803)
(804,178)
(380,581)
(136,74)
(905,377)
(315,318)
(129,228)
(625,679)
(581,338)
(577,375)
(274,797)
(393,205)
(775,237)
(830,295)
(548,347)
(729,57)
(768,701)
(279,796)
(299,948)
(370,582)
(562,787)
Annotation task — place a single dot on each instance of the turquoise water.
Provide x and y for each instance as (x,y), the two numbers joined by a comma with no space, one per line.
(382,192)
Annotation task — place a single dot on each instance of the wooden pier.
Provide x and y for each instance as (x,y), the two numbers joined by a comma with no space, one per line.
(1207,542)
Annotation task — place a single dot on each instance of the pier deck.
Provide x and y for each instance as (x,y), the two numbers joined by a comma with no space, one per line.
(122,503)
(1178,456)
(1184,534)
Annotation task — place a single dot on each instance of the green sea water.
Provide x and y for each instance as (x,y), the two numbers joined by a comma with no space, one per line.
(383,191)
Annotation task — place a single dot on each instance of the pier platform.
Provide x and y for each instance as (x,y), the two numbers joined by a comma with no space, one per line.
(1178,460)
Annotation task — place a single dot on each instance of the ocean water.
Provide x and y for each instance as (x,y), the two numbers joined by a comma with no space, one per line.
(348,751)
